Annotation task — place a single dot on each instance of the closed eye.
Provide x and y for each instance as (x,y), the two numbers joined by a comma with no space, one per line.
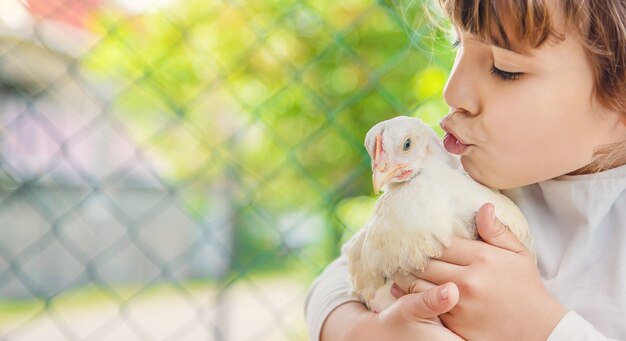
(505,75)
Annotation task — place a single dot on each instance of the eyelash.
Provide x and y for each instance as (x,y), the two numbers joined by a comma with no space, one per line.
(504,75)
(500,74)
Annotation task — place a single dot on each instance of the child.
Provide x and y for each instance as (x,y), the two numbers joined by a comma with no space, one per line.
(537,100)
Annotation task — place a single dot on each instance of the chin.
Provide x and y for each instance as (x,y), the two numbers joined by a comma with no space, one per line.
(487,178)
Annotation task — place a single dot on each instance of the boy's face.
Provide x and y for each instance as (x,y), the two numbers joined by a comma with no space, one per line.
(543,124)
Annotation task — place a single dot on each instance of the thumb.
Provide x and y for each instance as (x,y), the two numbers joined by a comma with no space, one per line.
(430,303)
(494,232)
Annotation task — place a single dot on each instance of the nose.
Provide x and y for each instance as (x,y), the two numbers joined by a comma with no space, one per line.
(461,92)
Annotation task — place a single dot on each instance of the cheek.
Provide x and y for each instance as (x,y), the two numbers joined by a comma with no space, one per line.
(523,156)
(524,142)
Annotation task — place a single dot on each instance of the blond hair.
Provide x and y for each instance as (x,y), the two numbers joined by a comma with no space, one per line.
(521,25)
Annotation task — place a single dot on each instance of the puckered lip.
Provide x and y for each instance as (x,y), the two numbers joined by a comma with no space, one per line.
(451,131)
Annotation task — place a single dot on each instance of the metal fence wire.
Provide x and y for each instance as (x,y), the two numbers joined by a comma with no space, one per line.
(181,170)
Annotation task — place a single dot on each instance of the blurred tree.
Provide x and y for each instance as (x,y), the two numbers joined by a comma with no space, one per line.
(274,98)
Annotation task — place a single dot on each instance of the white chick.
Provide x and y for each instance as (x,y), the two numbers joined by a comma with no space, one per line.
(428,198)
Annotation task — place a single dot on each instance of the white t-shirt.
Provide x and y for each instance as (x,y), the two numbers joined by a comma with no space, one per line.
(579,229)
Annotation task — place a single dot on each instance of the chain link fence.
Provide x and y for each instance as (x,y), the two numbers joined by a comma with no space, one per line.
(182,170)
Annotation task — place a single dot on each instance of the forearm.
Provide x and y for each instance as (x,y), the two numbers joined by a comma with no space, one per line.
(330,290)
(341,323)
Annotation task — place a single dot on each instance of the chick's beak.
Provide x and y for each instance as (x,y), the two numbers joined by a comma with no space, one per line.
(381,172)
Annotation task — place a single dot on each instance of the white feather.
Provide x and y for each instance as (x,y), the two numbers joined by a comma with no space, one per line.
(415,219)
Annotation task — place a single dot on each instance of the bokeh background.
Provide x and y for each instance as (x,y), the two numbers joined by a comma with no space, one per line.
(183,169)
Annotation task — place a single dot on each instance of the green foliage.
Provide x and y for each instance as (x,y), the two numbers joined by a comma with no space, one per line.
(274,98)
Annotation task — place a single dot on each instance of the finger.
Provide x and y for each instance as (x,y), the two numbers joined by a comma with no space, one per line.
(494,232)
(396,291)
(439,272)
(430,303)
(460,251)
(411,284)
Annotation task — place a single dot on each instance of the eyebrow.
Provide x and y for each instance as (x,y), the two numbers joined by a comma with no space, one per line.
(515,53)
(493,43)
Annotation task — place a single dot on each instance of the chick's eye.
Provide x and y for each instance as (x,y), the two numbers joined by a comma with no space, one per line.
(407,145)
